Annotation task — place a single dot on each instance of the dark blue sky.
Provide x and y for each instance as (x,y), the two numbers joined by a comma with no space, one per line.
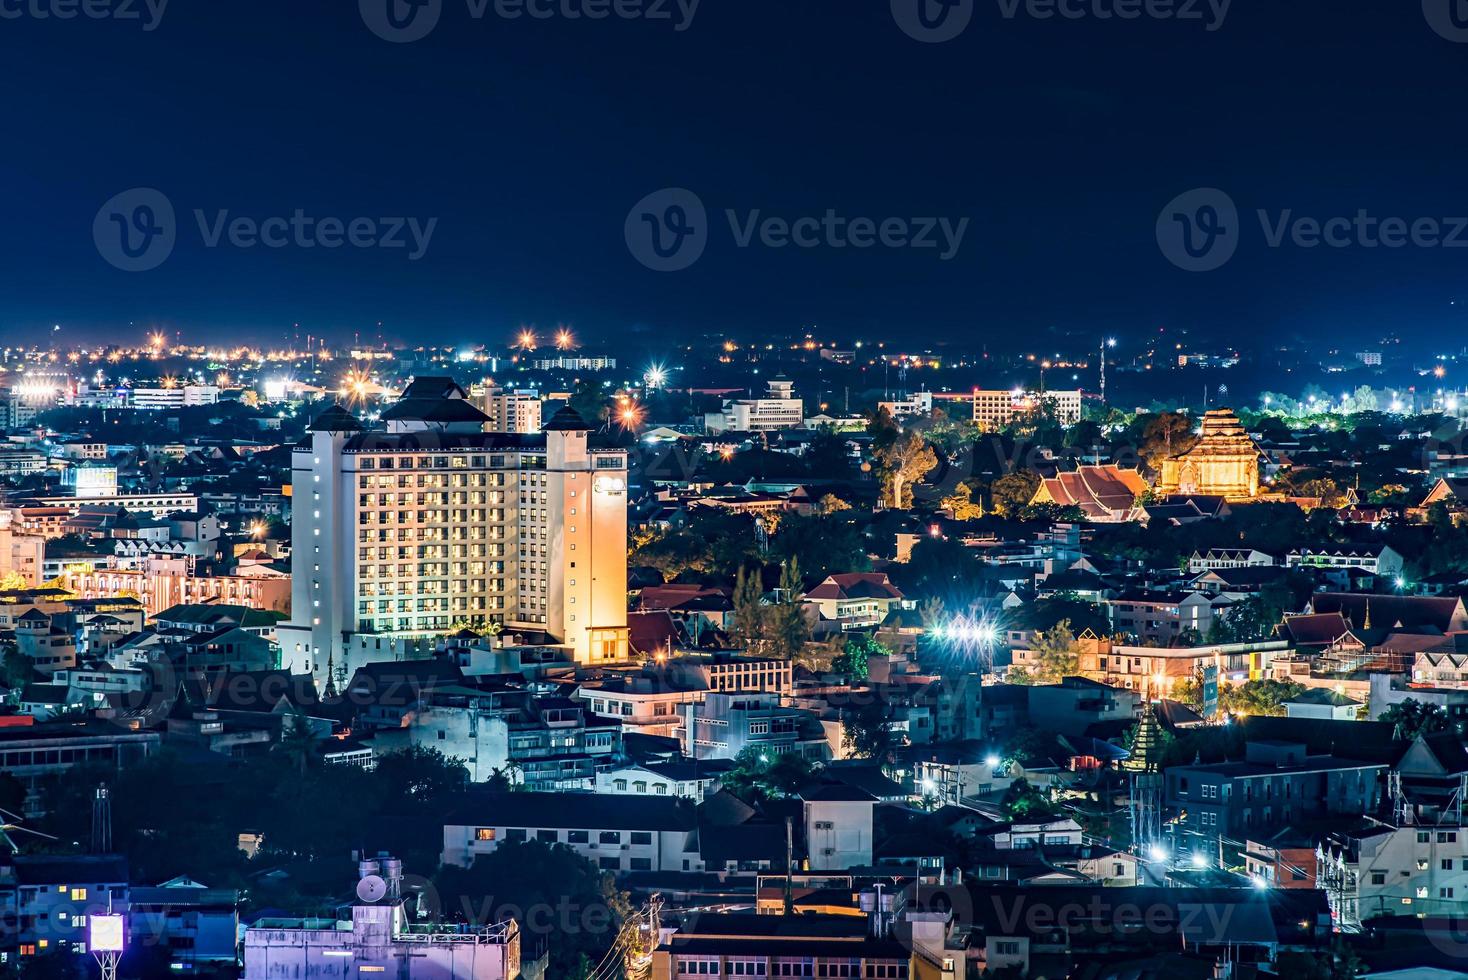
(529,141)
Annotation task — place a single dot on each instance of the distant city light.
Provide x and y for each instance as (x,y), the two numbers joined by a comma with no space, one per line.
(655,376)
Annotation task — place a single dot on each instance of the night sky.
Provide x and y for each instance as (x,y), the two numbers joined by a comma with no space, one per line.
(530,140)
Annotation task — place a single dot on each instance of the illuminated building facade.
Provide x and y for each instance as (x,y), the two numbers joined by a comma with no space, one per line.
(996,409)
(404,534)
(1224,463)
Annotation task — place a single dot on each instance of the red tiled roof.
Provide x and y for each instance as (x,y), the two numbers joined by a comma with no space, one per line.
(855,585)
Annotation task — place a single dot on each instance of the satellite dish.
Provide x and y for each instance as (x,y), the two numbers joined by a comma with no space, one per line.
(371,888)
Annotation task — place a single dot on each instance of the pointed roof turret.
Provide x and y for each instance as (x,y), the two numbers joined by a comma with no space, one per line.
(336,419)
(567,419)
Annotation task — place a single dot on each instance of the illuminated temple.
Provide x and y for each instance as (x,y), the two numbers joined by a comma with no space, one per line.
(1224,463)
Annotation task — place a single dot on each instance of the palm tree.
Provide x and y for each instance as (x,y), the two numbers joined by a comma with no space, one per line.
(298,738)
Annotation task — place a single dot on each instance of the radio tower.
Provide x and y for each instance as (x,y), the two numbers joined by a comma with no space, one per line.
(102,820)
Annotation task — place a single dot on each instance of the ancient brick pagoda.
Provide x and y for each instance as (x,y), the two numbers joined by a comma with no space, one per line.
(1224,463)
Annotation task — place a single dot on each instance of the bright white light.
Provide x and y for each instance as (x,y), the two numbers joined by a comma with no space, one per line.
(1401,582)
(1110,341)
(1199,861)
(1157,853)
(655,376)
(929,786)
(992,761)
(106,933)
(1259,882)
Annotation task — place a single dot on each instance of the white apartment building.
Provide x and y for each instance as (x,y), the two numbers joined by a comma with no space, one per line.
(1378,559)
(157,399)
(1216,559)
(1435,669)
(779,409)
(996,409)
(918,403)
(511,410)
(618,832)
(404,534)
(1415,864)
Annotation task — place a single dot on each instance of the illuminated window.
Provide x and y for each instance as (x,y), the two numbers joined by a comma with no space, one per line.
(484,833)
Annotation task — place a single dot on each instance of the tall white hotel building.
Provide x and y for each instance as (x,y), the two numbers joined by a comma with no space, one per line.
(432,523)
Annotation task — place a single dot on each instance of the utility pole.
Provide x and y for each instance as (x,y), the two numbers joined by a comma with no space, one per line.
(789,861)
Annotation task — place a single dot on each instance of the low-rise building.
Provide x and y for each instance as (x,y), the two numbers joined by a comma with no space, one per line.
(1276,785)
(198,925)
(854,600)
(725,724)
(616,833)
(381,939)
(46,900)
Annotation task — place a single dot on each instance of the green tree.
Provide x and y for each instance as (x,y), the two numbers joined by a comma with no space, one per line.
(1410,718)
(15,667)
(866,726)
(902,464)
(758,774)
(831,504)
(1056,656)
(1259,697)
(536,883)
(788,629)
(1013,491)
(1164,435)
(749,610)
(1023,802)
(961,504)
(590,400)
(854,660)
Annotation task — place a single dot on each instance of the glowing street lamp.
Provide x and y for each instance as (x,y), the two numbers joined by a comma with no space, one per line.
(526,340)
(564,340)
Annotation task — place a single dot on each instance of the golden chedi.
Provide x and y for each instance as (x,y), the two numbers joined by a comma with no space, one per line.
(1223,463)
